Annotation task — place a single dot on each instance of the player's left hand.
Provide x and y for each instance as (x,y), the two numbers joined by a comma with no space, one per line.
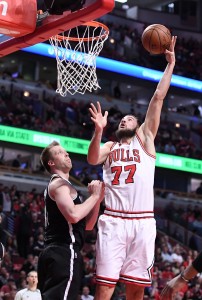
(99,119)
(170,54)
(97,188)
(172,287)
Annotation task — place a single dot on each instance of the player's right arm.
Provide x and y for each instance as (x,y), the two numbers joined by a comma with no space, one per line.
(152,119)
(62,194)
(96,153)
(149,128)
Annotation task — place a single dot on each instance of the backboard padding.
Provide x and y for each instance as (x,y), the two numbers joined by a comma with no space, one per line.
(55,24)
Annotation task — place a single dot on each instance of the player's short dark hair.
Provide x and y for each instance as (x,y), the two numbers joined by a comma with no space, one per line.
(46,155)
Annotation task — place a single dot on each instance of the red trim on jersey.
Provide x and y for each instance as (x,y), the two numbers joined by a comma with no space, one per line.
(141,144)
(114,143)
(135,283)
(135,280)
(129,215)
(129,218)
(106,281)
(129,212)
(106,278)
(112,146)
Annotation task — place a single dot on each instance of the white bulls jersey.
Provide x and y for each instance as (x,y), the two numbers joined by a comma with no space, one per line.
(128,174)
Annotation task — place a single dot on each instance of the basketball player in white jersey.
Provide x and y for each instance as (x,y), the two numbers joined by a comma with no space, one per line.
(127,229)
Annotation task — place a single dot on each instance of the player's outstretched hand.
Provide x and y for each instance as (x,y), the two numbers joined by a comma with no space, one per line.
(97,187)
(170,54)
(172,287)
(97,117)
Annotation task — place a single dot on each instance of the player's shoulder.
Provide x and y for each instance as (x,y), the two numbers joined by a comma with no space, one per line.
(108,144)
(58,179)
(57,182)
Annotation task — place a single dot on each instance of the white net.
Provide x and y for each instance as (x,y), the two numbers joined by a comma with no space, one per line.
(76,51)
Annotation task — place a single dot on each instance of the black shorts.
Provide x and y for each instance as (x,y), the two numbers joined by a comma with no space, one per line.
(59,272)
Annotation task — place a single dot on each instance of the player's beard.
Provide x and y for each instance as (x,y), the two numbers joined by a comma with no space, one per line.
(125,133)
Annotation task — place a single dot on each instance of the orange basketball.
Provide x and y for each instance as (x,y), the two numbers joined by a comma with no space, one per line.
(156,38)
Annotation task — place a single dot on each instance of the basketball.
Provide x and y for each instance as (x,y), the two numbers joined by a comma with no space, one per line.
(156,38)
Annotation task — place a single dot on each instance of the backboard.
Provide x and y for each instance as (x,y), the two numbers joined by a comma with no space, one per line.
(55,24)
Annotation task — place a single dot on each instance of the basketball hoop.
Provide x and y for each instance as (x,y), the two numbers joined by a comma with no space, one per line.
(76,51)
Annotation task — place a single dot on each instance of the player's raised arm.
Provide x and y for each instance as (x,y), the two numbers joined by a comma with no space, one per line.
(152,120)
(96,154)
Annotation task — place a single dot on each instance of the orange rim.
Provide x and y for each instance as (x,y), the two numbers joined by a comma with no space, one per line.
(94,24)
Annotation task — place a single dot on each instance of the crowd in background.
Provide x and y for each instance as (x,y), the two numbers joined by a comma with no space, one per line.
(189,217)
(72,118)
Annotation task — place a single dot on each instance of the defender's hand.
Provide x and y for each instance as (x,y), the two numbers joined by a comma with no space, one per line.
(97,188)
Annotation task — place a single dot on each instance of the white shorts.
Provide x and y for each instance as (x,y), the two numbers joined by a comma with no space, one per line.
(125,250)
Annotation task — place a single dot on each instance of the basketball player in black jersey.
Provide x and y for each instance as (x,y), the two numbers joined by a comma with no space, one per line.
(66,218)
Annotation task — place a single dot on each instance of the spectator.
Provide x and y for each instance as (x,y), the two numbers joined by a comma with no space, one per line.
(21,279)
(165,241)
(4,275)
(8,288)
(86,294)
(29,264)
(197,224)
(94,175)
(7,262)
(176,255)
(17,161)
(39,244)
(170,148)
(165,254)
